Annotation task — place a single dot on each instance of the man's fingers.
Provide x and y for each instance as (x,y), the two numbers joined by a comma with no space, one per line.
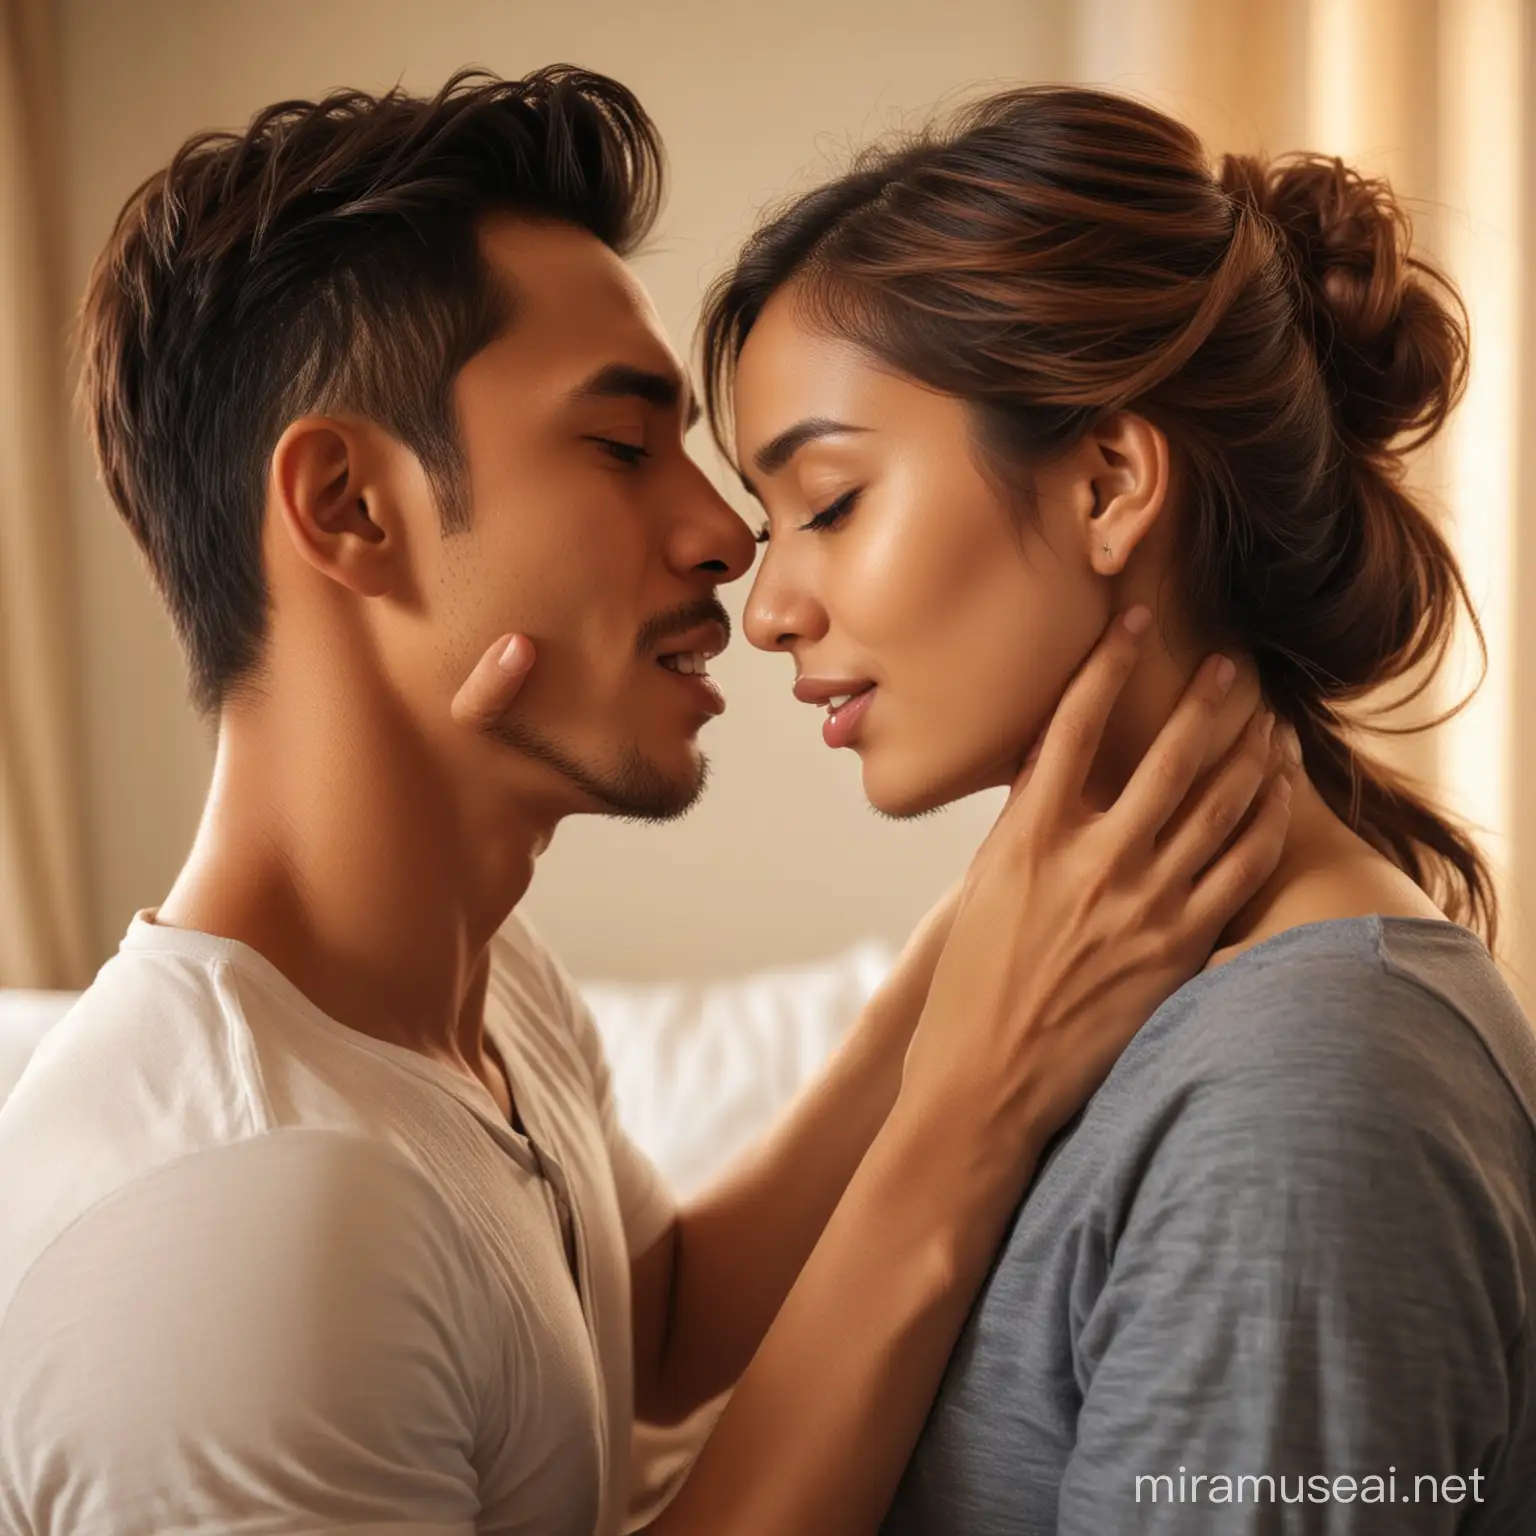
(489,690)
(1077,728)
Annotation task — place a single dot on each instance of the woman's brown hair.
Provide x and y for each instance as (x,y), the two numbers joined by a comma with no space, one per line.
(1058,254)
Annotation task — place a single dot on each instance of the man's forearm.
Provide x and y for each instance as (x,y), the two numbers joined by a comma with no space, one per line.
(739,1247)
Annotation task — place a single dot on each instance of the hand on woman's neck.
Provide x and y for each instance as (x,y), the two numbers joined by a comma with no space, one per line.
(1326,871)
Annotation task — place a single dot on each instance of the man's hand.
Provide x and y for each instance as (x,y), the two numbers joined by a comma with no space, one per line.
(489,690)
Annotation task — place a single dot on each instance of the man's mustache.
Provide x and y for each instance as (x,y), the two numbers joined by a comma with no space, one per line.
(678,621)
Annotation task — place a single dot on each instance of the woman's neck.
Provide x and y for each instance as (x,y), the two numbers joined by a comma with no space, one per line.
(1326,871)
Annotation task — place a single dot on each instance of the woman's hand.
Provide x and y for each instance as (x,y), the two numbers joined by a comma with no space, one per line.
(1073,925)
(488,691)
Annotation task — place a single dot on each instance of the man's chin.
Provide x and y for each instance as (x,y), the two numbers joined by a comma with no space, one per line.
(646,792)
(631,785)
(638,788)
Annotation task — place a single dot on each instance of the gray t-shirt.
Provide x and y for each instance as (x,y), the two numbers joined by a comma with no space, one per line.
(1278,1276)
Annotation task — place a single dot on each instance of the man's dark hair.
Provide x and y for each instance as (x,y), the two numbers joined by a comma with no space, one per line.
(325,259)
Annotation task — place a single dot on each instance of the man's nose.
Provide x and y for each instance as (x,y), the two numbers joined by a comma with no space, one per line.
(712,536)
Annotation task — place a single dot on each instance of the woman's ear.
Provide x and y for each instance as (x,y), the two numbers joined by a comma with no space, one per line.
(330,495)
(1129,469)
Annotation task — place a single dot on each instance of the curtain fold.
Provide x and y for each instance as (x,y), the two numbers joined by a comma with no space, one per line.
(43,921)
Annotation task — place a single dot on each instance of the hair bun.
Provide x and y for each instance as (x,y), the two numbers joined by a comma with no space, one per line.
(1389,330)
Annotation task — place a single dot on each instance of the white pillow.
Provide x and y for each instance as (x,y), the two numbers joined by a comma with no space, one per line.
(701,1069)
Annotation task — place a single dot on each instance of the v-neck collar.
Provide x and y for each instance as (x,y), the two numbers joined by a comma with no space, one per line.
(534,1152)
(145,935)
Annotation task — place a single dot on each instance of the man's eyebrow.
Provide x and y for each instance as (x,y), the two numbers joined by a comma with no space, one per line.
(778,451)
(623,381)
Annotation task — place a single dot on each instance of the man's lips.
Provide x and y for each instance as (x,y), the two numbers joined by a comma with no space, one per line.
(686,657)
(706,640)
(705,690)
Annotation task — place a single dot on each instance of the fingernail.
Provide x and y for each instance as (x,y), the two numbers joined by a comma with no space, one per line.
(1267,725)
(1137,619)
(1282,790)
(514,658)
(1226,670)
(1293,745)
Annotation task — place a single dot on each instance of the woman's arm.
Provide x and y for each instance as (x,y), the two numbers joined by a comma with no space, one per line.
(704,1294)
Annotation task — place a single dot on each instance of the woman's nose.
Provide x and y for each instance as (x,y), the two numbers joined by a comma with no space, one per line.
(779,611)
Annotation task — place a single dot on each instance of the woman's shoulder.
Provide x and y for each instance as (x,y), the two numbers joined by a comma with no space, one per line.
(1374,1007)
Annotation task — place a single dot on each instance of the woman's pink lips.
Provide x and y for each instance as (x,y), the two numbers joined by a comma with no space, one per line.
(839,728)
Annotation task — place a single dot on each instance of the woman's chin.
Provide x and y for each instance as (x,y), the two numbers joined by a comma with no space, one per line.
(902,791)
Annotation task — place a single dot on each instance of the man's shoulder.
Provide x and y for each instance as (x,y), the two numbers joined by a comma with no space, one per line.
(303,1296)
(308,1200)
(139,1073)
(522,963)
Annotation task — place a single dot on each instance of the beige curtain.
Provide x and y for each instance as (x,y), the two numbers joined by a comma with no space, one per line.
(1438,96)
(43,941)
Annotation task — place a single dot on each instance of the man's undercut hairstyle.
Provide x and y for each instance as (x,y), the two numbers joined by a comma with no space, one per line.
(326,259)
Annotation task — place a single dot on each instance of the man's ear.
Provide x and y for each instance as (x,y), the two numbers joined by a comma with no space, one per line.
(330,494)
(1129,469)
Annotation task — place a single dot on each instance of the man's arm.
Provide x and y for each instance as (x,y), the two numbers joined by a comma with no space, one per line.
(706,1292)
(1308,1308)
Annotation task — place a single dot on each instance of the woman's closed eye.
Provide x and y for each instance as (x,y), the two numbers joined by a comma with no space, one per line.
(829,517)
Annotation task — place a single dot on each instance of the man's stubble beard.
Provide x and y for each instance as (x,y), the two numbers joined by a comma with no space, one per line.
(635,790)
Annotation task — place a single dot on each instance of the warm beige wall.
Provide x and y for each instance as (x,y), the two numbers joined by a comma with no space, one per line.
(783,860)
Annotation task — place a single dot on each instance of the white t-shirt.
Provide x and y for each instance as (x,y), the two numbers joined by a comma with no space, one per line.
(261,1274)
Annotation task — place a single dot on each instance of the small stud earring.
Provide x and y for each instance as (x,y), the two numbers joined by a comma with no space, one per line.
(1108,550)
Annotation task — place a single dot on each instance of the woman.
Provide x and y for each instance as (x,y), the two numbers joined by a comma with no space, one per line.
(990,386)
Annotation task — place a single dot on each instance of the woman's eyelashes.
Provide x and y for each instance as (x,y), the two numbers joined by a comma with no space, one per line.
(829,517)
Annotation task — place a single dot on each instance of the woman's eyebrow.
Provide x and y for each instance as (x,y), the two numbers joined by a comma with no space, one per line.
(778,451)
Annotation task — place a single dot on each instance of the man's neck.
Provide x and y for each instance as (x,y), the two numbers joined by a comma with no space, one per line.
(350,861)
